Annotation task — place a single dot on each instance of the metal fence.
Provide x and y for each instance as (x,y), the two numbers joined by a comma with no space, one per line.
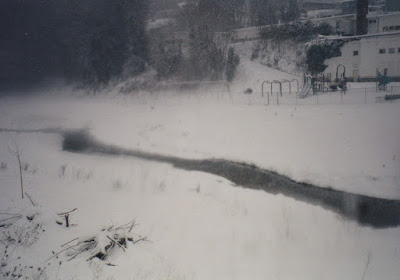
(351,96)
(224,96)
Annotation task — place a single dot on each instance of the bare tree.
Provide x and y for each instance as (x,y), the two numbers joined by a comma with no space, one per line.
(17,152)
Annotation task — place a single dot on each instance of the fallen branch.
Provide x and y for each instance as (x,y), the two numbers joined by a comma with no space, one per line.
(62,214)
(81,251)
(30,199)
(10,218)
(58,253)
(69,241)
(141,239)
(131,224)
(2,224)
(116,242)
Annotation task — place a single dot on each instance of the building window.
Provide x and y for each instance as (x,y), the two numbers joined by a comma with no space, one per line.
(385,29)
(391,28)
(398,50)
(397,27)
(355,53)
(392,50)
(382,51)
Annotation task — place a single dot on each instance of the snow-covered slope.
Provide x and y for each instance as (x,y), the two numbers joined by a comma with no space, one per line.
(200,225)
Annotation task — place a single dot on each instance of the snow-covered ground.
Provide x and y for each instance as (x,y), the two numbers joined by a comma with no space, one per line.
(201,226)
(348,147)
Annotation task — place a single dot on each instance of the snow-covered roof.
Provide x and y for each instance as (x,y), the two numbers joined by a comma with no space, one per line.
(362,36)
(383,14)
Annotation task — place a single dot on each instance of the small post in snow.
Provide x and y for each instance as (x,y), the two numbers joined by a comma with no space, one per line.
(365,96)
(341,97)
(277,99)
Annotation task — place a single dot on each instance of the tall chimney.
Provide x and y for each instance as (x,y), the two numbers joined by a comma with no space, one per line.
(362,21)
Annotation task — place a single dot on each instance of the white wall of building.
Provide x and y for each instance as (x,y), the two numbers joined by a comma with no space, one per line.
(350,61)
(372,59)
(378,23)
(374,52)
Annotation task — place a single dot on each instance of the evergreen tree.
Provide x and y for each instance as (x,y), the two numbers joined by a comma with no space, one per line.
(232,62)
(293,12)
(217,15)
(266,12)
(207,60)
(89,40)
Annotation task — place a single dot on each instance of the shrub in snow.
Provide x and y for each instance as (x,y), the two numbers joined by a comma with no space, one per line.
(146,82)
(255,53)
(248,91)
(320,50)
(167,61)
(3,166)
(63,169)
(117,185)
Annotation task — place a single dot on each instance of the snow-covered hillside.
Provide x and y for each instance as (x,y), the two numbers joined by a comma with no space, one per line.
(287,55)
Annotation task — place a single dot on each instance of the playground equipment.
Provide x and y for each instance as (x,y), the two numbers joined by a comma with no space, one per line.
(271,83)
(306,89)
(382,80)
(343,73)
(308,86)
(289,82)
(321,83)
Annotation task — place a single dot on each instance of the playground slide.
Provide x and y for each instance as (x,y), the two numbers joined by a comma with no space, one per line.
(305,90)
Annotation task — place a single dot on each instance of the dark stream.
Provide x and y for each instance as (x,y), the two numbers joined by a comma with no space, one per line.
(366,210)
(369,211)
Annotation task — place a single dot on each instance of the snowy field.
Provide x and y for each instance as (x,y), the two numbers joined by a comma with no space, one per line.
(199,226)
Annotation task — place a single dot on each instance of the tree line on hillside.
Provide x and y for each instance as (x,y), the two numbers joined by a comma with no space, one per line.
(95,41)
(88,41)
(225,15)
(205,21)
(206,58)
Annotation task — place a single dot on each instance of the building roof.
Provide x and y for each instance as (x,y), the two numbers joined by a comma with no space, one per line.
(394,33)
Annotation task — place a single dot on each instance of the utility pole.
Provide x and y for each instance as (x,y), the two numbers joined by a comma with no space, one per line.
(362,21)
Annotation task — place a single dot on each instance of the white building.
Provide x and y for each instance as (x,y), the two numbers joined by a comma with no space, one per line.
(379,23)
(363,55)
